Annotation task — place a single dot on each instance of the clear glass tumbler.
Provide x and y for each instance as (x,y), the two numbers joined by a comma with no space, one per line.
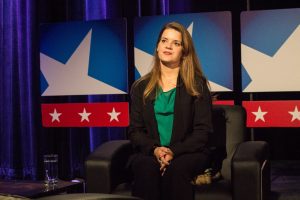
(51,169)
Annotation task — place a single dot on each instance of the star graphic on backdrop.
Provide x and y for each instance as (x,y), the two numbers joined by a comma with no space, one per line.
(295,114)
(266,71)
(55,115)
(143,63)
(114,115)
(259,115)
(72,78)
(84,115)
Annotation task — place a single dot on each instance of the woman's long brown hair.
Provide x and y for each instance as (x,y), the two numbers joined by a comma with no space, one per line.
(189,66)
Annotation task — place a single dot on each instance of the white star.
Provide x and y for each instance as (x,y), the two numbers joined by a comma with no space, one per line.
(295,114)
(114,115)
(143,60)
(84,115)
(259,115)
(55,116)
(72,78)
(265,71)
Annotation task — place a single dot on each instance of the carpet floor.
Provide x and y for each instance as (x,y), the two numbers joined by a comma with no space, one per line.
(285,180)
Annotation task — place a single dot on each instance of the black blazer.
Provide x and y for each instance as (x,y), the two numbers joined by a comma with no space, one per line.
(191,125)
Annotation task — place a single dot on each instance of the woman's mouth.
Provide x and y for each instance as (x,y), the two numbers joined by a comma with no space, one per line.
(167,53)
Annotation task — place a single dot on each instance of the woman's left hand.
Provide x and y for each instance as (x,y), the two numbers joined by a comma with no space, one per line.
(165,160)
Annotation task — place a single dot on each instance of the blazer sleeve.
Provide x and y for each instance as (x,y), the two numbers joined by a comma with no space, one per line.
(196,139)
(137,133)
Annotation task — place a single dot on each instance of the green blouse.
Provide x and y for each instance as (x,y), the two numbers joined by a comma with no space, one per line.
(164,114)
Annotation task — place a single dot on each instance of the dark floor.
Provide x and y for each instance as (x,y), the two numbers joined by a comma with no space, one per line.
(285,180)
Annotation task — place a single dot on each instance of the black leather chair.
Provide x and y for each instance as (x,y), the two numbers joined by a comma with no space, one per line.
(244,165)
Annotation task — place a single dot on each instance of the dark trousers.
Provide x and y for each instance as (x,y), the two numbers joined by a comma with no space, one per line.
(175,184)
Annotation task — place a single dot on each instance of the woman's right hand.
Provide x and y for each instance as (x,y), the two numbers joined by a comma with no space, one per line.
(163,155)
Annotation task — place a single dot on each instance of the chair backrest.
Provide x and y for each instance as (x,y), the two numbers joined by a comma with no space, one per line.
(229,123)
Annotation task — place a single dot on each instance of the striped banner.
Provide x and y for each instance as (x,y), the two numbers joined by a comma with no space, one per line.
(273,113)
(113,114)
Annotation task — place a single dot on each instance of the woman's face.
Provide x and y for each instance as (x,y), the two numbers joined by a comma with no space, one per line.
(169,48)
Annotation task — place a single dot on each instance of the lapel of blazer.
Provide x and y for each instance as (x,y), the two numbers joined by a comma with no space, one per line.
(178,120)
(149,109)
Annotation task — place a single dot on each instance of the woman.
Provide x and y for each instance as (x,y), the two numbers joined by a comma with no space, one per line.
(170,120)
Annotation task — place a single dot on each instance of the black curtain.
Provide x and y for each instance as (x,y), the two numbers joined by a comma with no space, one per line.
(23,140)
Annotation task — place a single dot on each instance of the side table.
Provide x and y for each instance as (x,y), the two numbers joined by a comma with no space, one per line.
(36,189)
(89,196)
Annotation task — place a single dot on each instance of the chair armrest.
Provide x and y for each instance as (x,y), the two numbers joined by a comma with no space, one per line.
(106,166)
(251,171)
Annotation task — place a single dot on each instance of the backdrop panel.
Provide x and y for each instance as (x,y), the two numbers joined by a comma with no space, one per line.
(212,36)
(84,58)
(270,46)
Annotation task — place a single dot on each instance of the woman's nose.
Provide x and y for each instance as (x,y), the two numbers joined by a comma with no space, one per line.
(169,45)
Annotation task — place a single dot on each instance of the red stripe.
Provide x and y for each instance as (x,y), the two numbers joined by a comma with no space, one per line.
(98,117)
(277,113)
(223,102)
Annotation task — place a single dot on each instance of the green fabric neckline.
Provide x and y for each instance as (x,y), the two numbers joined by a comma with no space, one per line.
(164,114)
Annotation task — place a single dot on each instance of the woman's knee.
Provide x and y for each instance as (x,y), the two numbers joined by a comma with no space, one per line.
(145,164)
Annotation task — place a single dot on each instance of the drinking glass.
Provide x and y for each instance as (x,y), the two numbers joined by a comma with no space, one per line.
(51,169)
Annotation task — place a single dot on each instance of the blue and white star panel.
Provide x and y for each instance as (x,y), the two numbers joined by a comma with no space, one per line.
(211,33)
(84,58)
(270,46)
